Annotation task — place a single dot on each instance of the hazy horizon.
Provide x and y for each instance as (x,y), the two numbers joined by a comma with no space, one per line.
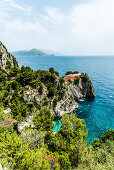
(68,27)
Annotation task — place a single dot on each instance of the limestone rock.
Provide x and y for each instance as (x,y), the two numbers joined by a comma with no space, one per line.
(6,56)
(75,92)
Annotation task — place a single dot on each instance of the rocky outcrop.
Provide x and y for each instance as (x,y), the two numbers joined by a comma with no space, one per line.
(78,88)
(6,56)
(75,91)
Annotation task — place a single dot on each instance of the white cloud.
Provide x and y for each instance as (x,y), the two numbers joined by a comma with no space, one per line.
(26,26)
(27,10)
(53,15)
(93,20)
(84,29)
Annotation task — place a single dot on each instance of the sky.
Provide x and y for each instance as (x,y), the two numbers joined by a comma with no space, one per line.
(70,27)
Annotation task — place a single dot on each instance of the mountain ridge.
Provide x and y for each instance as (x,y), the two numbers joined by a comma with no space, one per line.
(32,52)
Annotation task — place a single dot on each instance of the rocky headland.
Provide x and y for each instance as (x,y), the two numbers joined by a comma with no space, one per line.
(5,57)
(42,88)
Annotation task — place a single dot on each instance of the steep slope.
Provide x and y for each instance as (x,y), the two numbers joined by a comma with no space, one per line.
(83,88)
(5,56)
(42,88)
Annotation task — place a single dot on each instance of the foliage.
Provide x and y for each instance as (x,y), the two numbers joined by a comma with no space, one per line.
(52,91)
(70,139)
(43,120)
(34,138)
(85,77)
(14,71)
(8,64)
(38,147)
(51,70)
(108,135)
(71,72)
(16,155)
(55,101)
(1,53)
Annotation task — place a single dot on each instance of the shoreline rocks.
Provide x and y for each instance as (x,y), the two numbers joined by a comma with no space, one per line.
(75,92)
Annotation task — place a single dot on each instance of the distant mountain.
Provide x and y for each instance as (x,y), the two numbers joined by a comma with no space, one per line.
(32,52)
(50,52)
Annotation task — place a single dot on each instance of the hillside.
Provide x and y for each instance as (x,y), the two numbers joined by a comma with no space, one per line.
(32,52)
(29,102)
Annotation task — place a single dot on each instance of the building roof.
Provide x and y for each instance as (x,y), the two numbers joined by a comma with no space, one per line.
(72,77)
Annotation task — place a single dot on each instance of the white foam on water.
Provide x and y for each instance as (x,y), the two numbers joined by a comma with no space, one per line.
(81,100)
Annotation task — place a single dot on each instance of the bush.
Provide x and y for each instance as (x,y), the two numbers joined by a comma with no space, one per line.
(71,72)
(55,101)
(61,80)
(34,138)
(14,71)
(30,106)
(108,135)
(43,120)
(52,91)
(41,89)
(8,64)
(1,53)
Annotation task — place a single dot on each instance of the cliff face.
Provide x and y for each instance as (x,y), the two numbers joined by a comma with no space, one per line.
(75,91)
(6,56)
(66,103)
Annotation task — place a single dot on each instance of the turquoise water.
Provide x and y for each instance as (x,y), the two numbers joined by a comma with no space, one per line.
(98,113)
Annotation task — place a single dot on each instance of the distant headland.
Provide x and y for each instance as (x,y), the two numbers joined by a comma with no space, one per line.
(32,52)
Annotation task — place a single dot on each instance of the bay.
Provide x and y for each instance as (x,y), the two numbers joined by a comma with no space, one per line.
(97,113)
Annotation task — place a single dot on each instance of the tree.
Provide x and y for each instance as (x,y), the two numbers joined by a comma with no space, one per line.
(108,135)
(16,155)
(70,139)
(52,91)
(43,120)
(33,137)
(8,64)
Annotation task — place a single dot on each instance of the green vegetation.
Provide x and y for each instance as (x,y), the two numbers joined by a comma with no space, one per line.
(36,146)
(71,72)
(1,53)
(8,64)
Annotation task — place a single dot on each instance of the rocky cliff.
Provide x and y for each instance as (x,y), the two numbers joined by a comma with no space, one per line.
(40,88)
(5,56)
(75,91)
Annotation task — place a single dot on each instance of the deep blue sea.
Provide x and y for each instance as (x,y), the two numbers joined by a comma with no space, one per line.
(98,113)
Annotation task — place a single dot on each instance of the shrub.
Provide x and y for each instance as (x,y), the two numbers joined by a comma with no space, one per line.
(34,138)
(71,72)
(55,101)
(108,135)
(8,64)
(14,71)
(30,106)
(1,53)
(43,120)
(52,91)
(41,89)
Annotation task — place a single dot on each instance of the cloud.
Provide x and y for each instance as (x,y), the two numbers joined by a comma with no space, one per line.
(24,26)
(27,10)
(19,25)
(93,20)
(83,29)
(10,22)
(53,15)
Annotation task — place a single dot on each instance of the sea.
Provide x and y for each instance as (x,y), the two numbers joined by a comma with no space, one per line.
(98,113)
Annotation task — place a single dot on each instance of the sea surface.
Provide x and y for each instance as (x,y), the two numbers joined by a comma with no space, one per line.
(98,113)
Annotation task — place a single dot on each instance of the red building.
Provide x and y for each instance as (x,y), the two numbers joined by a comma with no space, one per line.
(72,77)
